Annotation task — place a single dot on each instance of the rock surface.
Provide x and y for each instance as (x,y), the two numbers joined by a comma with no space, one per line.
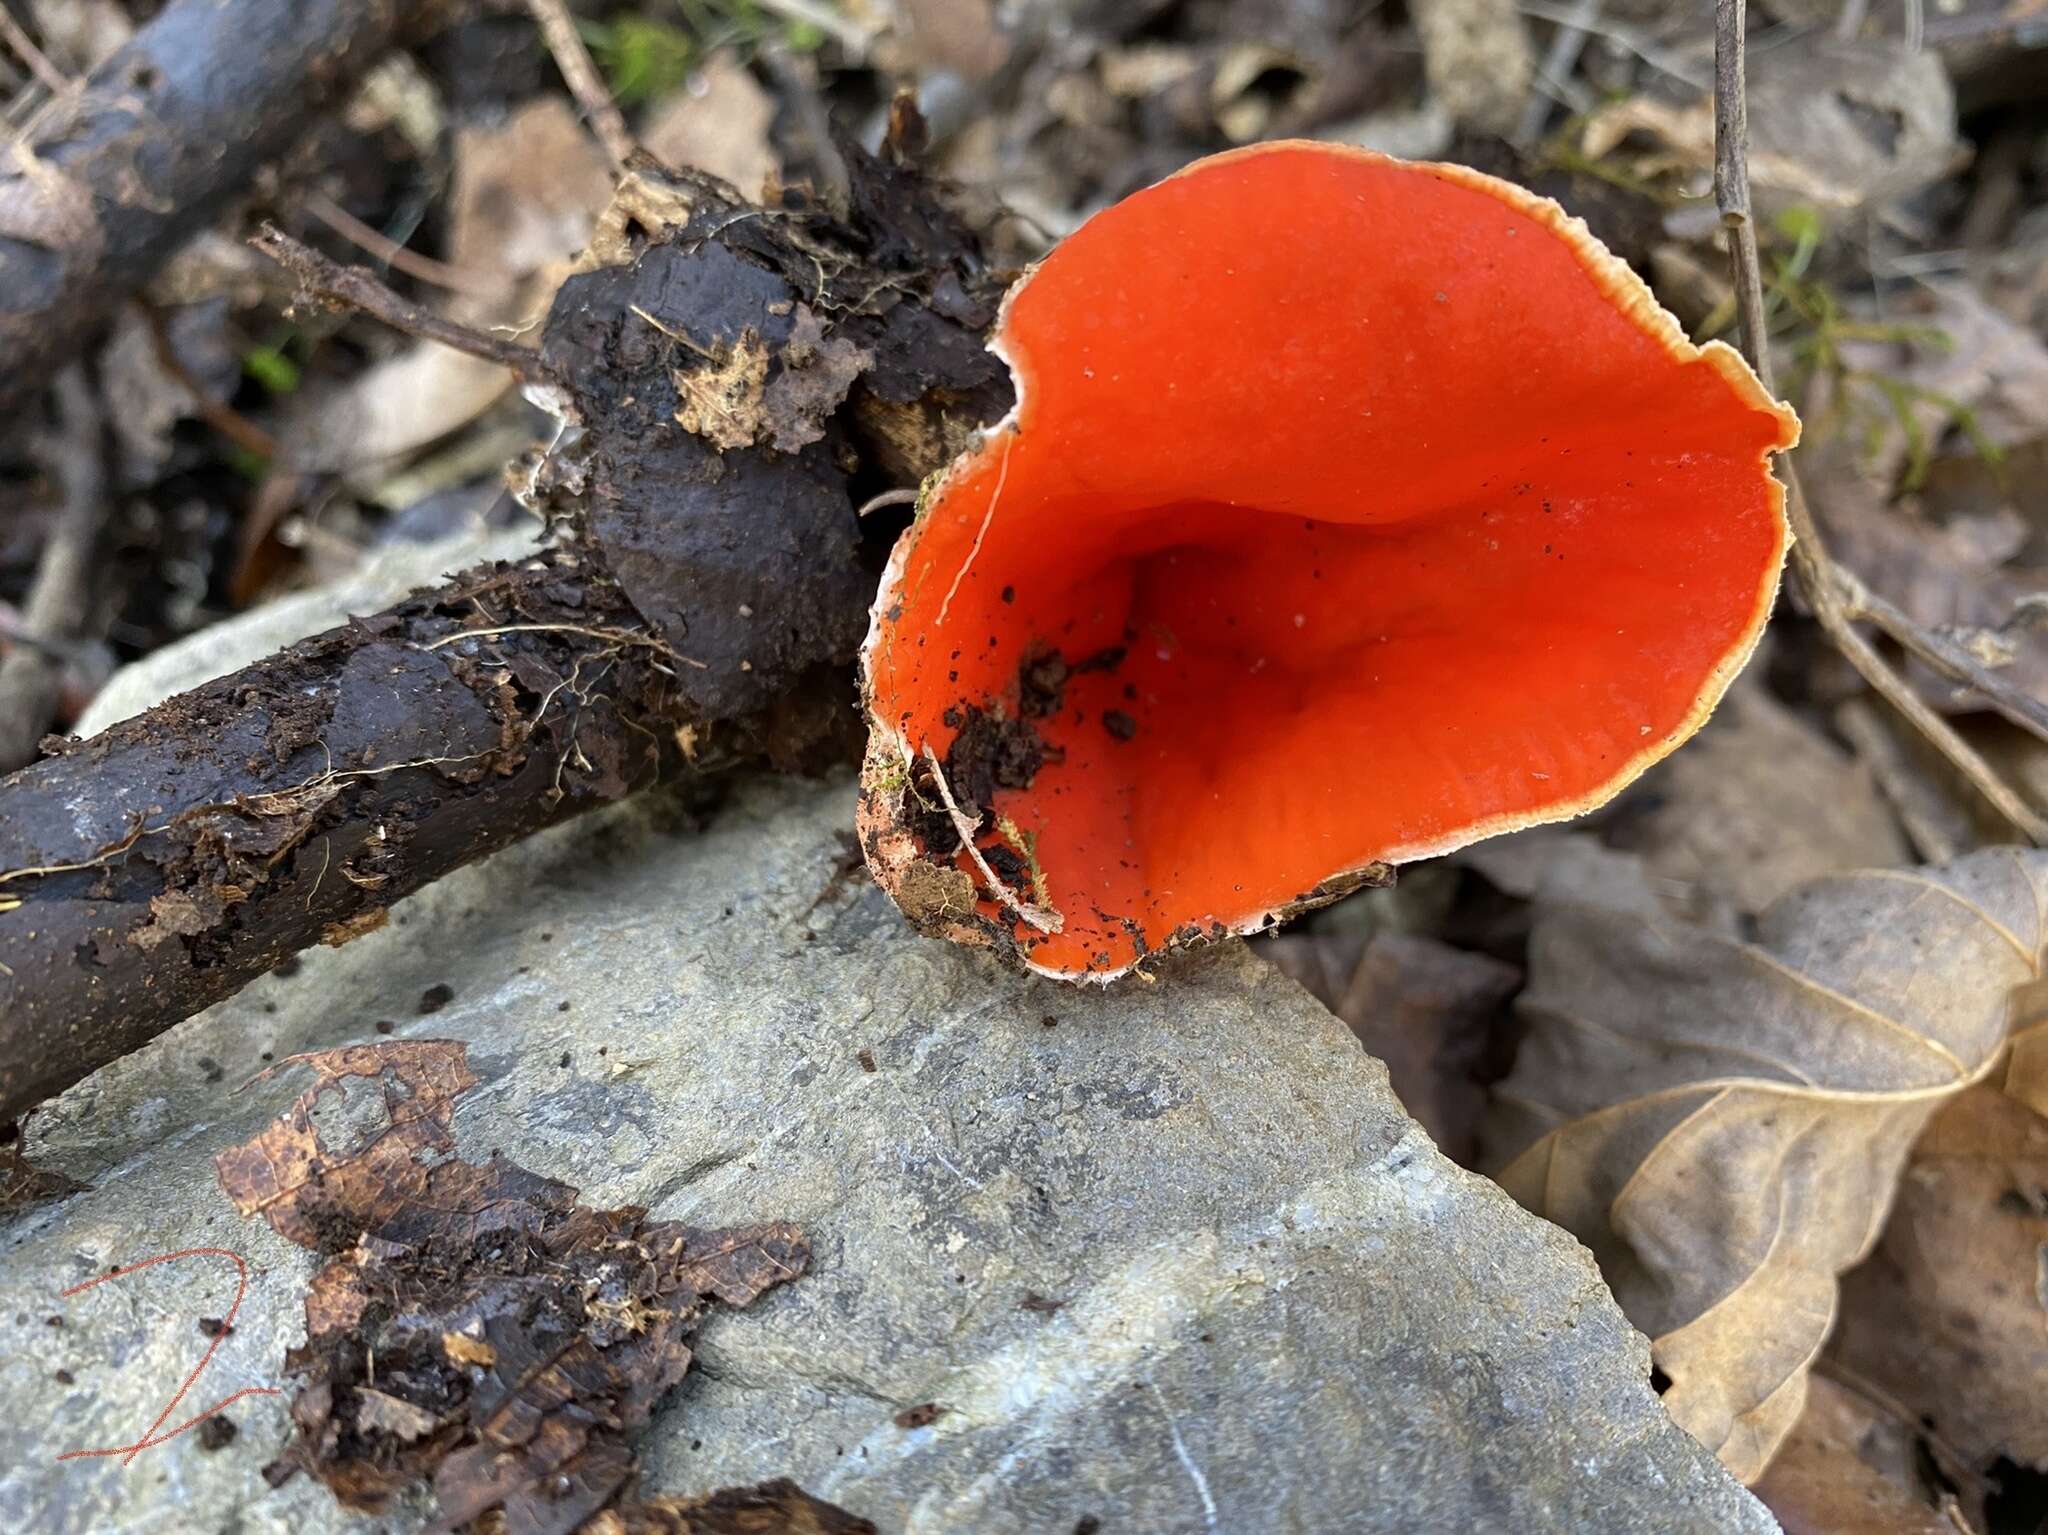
(1280,1308)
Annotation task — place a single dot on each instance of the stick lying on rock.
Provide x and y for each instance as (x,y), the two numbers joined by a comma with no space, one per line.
(737,381)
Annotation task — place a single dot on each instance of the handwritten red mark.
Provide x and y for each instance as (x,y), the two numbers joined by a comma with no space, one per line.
(150,1438)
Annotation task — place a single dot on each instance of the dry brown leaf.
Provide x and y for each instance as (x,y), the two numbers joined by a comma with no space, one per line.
(1724,1122)
(1760,802)
(1962,572)
(1841,127)
(1949,1317)
(396,407)
(1425,1008)
(770,1508)
(524,197)
(1318,958)
(274,1174)
(475,1324)
(2026,1064)
(1824,1482)
(959,35)
(718,123)
(1988,364)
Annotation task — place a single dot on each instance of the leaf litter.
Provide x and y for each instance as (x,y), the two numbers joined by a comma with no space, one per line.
(1723,1119)
(1960,1281)
(475,1327)
(1938,1322)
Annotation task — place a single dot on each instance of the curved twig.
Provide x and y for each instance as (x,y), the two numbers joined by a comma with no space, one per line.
(1045,921)
(1826,587)
(353,287)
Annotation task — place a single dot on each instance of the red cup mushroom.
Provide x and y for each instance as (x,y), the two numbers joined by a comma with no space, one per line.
(1352,510)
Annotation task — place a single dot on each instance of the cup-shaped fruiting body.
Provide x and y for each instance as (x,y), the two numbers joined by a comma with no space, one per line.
(1352,510)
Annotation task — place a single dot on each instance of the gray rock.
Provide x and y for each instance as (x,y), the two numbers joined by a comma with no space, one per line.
(1282,1309)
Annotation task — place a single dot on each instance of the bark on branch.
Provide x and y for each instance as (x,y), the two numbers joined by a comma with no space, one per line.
(173,858)
(114,175)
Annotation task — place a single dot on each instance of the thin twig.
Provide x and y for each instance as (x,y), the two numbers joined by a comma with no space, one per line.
(1819,578)
(353,287)
(26,50)
(60,602)
(1045,921)
(579,72)
(223,418)
(387,250)
(273,803)
(1947,655)
(1558,64)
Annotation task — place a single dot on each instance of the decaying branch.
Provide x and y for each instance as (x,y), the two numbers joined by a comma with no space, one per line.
(173,858)
(113,175)
(355,288)
(735,381)
(1837,600)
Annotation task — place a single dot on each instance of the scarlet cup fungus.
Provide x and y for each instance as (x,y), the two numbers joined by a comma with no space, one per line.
(1352,510)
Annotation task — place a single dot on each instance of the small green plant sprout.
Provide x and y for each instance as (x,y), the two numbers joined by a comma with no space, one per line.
(1808,320)
(648,54)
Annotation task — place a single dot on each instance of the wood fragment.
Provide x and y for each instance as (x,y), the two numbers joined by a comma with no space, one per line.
(354,287)
(166,862)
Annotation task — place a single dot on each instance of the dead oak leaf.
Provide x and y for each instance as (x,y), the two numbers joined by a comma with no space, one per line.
(2026,1063)
(1949,1317)
(1841,129)
(1824,1483)
(1724,1122)
(274,1174)
(1426,1009)
(1759,802)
